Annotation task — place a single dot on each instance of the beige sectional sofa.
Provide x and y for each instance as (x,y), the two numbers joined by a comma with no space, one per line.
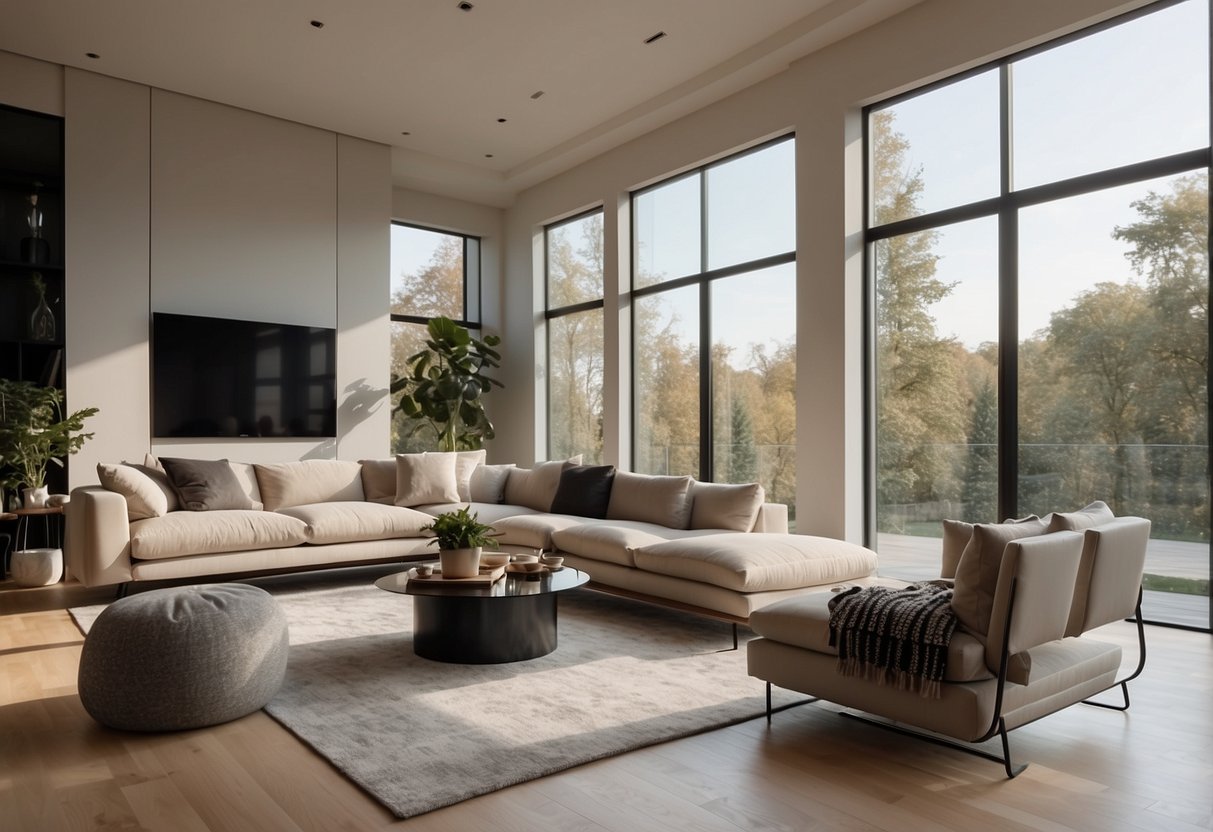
(714,548)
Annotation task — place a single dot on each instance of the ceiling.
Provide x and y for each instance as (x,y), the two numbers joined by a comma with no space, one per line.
(379,69)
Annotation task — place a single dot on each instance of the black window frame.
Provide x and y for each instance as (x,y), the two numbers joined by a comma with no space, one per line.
(470,242)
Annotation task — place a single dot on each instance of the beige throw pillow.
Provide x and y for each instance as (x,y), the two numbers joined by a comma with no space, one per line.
(487,483)
(651,499)
(535,487)
(956,536)
(144,497)
(466,462)
(379,480)
(1095,514)
(426,478)
(977,572)
(725,506)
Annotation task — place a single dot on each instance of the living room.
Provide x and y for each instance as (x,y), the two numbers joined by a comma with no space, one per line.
(183,198)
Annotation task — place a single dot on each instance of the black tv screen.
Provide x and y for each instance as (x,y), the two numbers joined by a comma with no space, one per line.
(219,377)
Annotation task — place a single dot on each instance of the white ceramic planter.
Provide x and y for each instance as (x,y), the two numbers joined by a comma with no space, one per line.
(37,567)
(36,497)
(460,563)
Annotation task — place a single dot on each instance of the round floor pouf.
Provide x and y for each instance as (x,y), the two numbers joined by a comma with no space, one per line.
(187,657)
(37,567)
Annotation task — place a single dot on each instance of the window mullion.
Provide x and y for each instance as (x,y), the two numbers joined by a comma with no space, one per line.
(706,467)
(1008,311)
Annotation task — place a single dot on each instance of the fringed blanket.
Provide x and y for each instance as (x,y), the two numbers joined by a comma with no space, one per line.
(895,636)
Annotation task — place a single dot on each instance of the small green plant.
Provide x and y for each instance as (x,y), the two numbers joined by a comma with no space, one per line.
(460,530)
(34,433)
(443,384)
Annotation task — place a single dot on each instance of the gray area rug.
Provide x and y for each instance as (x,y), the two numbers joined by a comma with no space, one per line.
(419,735)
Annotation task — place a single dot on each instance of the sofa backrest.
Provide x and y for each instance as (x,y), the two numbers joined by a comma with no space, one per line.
(287,484)
(665,501)
(1110,573)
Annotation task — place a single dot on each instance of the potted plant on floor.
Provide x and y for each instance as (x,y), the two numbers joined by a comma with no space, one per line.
(460,537)
(35,434)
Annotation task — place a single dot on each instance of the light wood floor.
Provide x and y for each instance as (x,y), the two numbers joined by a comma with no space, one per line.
(1091,769)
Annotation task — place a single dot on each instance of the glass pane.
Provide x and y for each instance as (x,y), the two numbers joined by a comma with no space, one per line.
(1123,95)
(574,262)
(936,389)
(752,206)
(936,150)
(575,386)
(427,273)
(409,435)
(754,381)
(666,382)
(667,232)
(1113,362)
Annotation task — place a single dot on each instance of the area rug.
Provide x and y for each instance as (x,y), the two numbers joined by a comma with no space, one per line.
(418,735)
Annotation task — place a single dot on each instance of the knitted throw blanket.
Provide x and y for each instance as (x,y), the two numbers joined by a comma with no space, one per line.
(895,636)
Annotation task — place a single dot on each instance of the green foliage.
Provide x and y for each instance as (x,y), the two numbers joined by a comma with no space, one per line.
(460,530)
(443,385)
(34,432)
(981,473)
(744,460)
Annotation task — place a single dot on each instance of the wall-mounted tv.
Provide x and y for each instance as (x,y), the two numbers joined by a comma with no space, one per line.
(218,377)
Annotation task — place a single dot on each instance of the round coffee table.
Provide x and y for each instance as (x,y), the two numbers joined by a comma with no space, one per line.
(511,620)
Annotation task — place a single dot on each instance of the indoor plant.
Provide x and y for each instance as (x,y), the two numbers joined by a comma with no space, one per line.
(460,537)
(34,433)
(443,384)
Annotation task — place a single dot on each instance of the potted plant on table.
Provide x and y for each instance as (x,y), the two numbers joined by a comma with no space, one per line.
(35,434)
(460,537)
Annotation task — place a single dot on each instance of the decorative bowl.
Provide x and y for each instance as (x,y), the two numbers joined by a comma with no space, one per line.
(552,561)
(493,561)
(526,558)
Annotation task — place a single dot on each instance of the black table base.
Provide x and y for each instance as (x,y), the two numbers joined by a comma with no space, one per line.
(466,629)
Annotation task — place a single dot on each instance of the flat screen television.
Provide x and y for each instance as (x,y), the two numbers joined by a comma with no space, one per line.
(220,377)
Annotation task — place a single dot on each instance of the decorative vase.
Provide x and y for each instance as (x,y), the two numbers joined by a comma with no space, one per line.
(460,563)
(36,497)
(42,322)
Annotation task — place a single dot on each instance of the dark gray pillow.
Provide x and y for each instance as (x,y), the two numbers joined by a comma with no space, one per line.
(584,490)
(205,484)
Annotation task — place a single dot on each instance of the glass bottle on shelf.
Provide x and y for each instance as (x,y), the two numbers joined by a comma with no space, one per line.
(42,322)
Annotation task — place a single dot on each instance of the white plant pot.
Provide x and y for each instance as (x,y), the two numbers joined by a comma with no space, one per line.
(36,497)
(460,563)
(37,567)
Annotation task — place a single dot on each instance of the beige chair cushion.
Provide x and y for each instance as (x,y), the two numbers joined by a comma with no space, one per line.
(616,541)
(977,572)
(181,533)
(426,478)
(956,536)
(725,506)
(651,499)
(533,531)
(1096,514)
(145,496)
(379,480)
(804,621)
(536,486)
(487,483)
(758,562)
(286,484)
(1109,574)
(348,522)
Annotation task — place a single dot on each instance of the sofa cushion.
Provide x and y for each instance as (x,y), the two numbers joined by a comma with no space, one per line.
(977,572)
(426,478)
(379,480)
(615,541)
(466,463)
(286,484)
(651,499)
(725,506)
(488,513)
(147,491)
(535,487)
(956,536)
(533,531)
(353,521)
(246,475)
(804,621)
(487,484)
(584,490)
(181,533)
(758,562)
(205,484)
(1096,514)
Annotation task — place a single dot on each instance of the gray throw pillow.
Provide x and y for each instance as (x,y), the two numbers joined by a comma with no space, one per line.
(205,484)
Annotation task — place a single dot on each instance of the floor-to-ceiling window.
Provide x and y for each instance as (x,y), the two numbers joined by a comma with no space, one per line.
(1038,254)
(434,273)
(573,270)
(714,322)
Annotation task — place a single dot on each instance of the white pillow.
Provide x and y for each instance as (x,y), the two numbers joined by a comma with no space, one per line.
(426,478)
(466,463)
(487,484)
(145,497)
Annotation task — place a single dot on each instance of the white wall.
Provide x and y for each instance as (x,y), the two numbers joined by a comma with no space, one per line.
(819,98)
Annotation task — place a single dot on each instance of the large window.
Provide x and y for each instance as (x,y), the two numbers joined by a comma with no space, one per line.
(433,274)
(1038,250)
(714,322)
(573,264)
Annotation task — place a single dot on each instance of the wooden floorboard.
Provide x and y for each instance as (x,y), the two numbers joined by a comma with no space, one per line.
(1091,769)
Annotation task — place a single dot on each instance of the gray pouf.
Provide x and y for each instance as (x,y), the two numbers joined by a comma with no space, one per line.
(187,657)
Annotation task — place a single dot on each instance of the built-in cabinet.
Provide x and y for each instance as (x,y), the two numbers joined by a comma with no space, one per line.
(31,252)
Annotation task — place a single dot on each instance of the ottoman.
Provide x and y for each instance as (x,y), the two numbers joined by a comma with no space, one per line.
(185,657)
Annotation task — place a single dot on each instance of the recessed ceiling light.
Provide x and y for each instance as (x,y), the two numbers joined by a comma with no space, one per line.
(465,6)
(92,55)
(655,37)
(405,133)
(319,24)
(537,94)
(488,155)
(501,121)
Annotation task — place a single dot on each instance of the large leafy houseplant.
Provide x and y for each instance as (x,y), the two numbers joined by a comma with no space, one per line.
(34,432)
(443,384)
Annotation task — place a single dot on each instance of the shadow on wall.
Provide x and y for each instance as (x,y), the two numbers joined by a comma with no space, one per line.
(360,402)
